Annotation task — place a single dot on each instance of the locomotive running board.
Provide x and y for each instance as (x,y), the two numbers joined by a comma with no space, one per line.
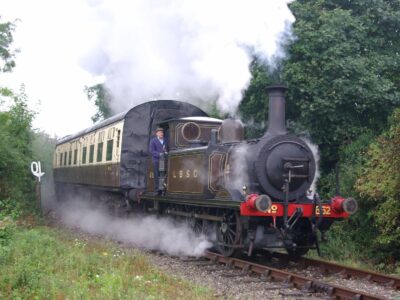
(191,215)
(198,202)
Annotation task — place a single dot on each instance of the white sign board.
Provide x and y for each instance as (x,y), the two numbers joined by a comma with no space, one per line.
(36,169)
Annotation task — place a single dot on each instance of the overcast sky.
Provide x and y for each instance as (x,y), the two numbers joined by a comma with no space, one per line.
(52,36)
(197,51)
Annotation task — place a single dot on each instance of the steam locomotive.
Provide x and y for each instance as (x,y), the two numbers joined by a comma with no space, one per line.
(247,194)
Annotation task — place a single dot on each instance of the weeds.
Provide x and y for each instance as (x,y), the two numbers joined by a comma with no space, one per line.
(45,263)
(342,247)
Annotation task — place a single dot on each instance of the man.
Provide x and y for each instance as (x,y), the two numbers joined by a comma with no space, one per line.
(158,145)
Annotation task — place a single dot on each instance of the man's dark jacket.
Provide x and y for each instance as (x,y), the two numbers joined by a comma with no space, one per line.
(156,148)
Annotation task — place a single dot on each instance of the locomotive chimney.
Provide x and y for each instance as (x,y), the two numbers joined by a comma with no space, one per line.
(276,110)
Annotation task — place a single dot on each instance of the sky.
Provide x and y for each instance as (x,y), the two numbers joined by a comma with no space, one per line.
(51,37)
(197,51)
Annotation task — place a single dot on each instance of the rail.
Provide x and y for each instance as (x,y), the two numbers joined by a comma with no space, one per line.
(297,281)
(344,271)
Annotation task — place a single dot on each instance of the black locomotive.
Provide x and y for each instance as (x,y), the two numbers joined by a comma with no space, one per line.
(248,194)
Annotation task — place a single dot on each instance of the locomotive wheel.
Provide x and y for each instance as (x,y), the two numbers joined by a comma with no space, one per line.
(229,235)
(195,224)
(198,227)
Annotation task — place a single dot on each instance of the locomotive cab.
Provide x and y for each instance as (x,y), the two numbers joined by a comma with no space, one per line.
(189,131)
(187,140)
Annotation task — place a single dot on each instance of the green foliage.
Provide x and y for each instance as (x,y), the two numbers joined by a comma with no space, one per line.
(339,247)
(380,183)
(43,263)
(43,146)
(7,54)
(254,106)
(16,182)
(342,73)
(5,92)
(7,229)
(346,237)
(351,160)
(369,172)
(102,99)
(14,206)
(343,69)
(213,111)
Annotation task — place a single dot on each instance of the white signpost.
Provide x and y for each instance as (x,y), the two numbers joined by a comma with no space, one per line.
(36,169)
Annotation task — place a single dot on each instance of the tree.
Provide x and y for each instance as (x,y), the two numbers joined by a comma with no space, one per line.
(15,148)
(16,182)
(102,99)
(7,54)
(343,69)
(254,106)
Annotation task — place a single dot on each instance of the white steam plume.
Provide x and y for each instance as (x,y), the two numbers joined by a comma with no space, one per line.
(144,231)
(182,49)
(239,173)
(315,152)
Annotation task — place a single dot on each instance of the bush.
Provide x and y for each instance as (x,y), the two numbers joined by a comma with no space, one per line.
(16,181)
(369,172)
(380,184)
(348,239)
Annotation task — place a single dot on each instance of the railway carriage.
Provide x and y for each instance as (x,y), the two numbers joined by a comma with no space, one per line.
(248,194)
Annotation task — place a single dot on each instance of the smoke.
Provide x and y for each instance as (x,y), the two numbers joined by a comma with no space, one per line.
(315,152)
(238,167)
(143,231)
(180,49)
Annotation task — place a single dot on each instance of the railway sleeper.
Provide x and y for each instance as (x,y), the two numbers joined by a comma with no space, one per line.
(291,293)
(246,270)
(322,288)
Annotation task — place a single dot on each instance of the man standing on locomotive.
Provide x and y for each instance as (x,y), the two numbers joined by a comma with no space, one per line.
(158,145)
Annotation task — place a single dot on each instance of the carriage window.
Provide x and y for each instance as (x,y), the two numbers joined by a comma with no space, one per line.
(75,156)
(65,158)
(69,157)
(91,153)
(84,155)
(109,149)
(61,159)
(100,151)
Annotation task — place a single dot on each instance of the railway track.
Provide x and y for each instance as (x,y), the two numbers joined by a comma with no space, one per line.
(300,282)
(344,271)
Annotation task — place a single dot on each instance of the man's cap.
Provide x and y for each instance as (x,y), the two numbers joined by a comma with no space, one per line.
(159,129)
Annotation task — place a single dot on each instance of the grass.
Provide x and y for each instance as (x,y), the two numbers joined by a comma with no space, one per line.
(342,250)
(47,263)
(349,259)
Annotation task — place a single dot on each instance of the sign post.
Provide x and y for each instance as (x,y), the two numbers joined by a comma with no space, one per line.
(36,170)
